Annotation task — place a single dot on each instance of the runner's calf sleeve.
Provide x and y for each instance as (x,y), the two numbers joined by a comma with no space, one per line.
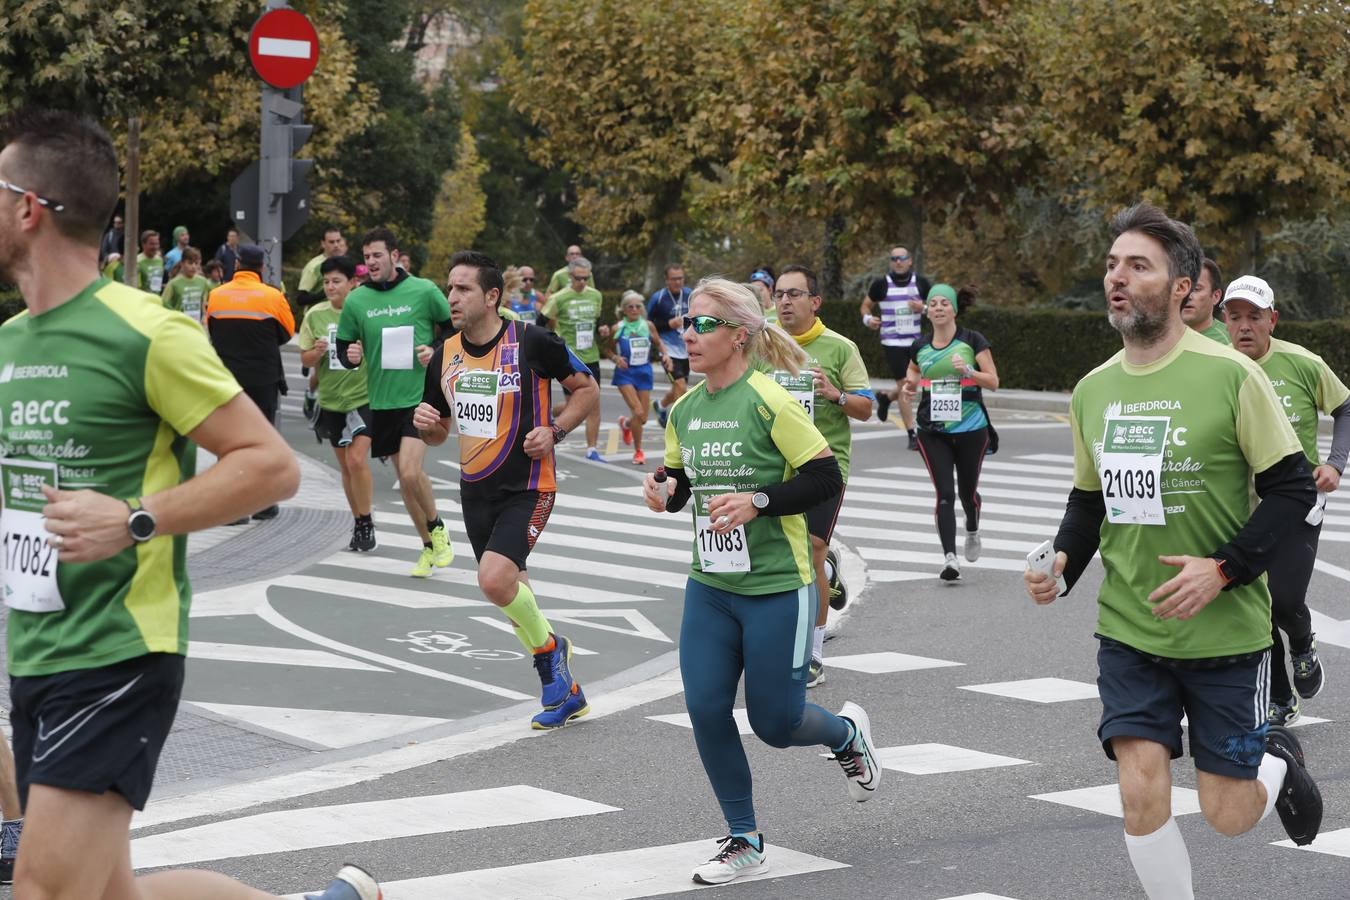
(1080,532)
(815,482)
(532,627)
(1162,863)
(1340,437)
(1287,492)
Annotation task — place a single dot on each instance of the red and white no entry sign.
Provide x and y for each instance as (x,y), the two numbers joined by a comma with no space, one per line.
(284,48)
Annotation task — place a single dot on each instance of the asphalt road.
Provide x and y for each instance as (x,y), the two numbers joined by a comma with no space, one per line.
(418,762)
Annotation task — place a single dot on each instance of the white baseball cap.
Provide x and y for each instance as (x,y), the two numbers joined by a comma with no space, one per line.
(1252,289)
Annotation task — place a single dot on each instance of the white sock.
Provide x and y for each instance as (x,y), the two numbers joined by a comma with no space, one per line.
(818,643)
(1271,774)
(590,449)
(1162,863)
(829,570)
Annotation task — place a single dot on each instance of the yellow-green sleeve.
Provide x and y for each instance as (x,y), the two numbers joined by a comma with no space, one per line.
(305,336)
(853,374)
(309,275)
(1085,475)
(672,459)
(1331,391)
(185,381)
(795,435)
(549,309)
(1263,430)
(166,296)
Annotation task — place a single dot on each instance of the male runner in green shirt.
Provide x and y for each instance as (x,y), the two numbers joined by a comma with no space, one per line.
(1305,385)
(150,264)
(562,277)
(1167,436)
(309,290)
(390,321)
(1201,304)
(106,396)
(832,389)
(186,291)
(574,313)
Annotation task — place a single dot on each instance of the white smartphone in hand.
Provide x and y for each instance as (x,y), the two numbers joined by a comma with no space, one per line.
(1042,559)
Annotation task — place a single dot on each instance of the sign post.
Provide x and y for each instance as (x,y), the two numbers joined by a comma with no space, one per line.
(284,49)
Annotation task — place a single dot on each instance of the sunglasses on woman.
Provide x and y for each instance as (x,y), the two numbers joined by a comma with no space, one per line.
(707,324)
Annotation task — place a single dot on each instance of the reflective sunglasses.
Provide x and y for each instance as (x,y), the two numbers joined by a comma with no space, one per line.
(899,258)
(50,204)
(708,324)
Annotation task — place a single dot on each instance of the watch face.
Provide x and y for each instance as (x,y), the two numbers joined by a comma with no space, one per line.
(142,525)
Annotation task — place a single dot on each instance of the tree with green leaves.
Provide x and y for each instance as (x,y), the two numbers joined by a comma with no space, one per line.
(461,207)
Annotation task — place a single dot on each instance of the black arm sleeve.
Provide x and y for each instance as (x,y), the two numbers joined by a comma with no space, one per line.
(431,387)
(924,285)
(1287,492)
(876,291)
(342,354)
(683,490)
(815,482)
(1080,532)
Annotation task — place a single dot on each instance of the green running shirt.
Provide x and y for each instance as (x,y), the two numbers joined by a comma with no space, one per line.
(938,375)
(391,324)
(1218,331)
(187,295)
(106,386)
(576,315)
(1223,423)
(748,435)
(839,359)
(340,389)
(1305,384)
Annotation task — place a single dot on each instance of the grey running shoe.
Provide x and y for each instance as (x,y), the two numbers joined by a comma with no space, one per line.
(951,570)
(1286,713)
(1309,679)
(815,673)
(973,546)
(737,857)
(858,760)
(1300,802)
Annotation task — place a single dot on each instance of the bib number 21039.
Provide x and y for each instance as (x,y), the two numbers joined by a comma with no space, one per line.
(1131,469)
(29,563)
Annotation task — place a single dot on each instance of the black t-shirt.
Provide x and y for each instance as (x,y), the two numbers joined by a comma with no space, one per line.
(877,291)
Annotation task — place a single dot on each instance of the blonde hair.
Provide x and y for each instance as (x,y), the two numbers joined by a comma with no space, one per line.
(768,343)
(512,283)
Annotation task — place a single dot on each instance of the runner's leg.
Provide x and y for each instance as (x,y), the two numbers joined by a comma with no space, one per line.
(414,485)
(344,468)
(1288,578)
(970,446)
(639,419)
(358,471)
(939,456)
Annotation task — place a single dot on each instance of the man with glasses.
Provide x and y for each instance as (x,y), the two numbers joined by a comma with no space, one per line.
(1198,309)
(833,388)
(574,312)
(666,310)
(527,290)
(99,608)
(898,298)
(562,277)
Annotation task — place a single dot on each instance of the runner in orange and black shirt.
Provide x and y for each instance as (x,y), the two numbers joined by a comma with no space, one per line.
(491,382)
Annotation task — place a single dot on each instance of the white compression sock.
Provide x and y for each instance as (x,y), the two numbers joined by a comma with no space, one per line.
(818,643)
(829,570)
(1271,774)
(1162,863)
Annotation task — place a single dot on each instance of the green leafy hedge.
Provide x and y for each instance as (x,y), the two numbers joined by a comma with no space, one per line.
(1050,349)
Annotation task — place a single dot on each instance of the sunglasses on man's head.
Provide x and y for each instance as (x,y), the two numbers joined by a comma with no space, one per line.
(707,324)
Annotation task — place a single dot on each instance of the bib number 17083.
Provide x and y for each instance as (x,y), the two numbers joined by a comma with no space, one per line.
(29,563)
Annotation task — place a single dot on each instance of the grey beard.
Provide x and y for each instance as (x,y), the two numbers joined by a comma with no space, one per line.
(1138,327)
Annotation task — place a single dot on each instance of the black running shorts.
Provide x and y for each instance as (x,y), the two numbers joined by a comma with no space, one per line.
(96,730)
(388,428)
(338,428)
(505,522)
(898,359)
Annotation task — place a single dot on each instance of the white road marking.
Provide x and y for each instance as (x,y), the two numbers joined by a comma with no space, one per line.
(939,759)
(1038,690)
(376,820)
(505,625)
(887,662)
(1332,843)
(328,728)
(278,656)
(741,716)
(407,598)
(934,559)
(1105,799)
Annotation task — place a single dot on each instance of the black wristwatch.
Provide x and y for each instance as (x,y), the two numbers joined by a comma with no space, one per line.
(141,522)
(558,434)
(759,500)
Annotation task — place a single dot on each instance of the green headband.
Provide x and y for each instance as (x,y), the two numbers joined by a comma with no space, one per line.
(944,290)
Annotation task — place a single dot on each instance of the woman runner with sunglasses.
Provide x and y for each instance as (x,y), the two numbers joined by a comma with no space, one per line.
(750,601)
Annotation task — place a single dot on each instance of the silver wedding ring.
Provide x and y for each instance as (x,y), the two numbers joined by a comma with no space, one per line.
(57,541)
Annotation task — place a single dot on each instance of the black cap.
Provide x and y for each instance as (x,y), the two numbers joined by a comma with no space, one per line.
(251,256)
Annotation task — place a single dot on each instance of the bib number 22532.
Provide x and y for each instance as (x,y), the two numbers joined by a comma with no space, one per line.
(29,563)
(1131,469)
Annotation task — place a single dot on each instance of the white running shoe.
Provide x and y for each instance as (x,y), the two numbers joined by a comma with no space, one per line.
(736,858)
(973,546)
(858,759)
(951,570)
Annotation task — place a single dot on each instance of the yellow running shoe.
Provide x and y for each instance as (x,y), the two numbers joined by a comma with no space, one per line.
(424,563)
(442,553)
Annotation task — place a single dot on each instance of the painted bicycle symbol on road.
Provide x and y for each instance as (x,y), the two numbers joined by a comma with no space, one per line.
(452,643)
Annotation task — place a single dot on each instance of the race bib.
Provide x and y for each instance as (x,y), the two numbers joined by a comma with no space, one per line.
(529,316)
(1131,469)
(334,364)
(29,563)
(802,387)
(718,552)
(156,282)
(639,351)
(585,335)
(476,404)
(944,401)
(192,305)
(396,347)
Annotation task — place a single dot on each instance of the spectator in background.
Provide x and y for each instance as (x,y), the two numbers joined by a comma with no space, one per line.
(149,264)
(310,288)
(113,268)
(761,284)
(561,279)
(228,254)
(187,290)
(112,241)
(248,322)
(213,272)
(181,238)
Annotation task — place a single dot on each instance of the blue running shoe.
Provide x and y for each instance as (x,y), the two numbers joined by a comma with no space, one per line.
(554,673)
(574,707)
(662,414)
(594,456)
(352,883)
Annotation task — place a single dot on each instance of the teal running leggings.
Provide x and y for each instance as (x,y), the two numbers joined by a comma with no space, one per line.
(768,637)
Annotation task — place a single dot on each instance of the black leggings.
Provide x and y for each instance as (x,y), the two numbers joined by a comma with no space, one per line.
(964,452)
(1288,577)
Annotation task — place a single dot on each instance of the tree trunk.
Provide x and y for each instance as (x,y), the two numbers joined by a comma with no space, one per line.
(916,211)
(665,208)
(832,265)
(132,223)
(1254,247)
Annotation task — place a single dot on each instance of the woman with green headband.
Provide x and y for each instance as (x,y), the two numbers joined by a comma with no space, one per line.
(952,366)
